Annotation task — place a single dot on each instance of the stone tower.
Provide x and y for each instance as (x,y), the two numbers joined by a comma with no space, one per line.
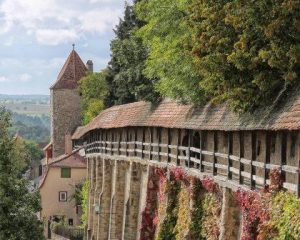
(65,102)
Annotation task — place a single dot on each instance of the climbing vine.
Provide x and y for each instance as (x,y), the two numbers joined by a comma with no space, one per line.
(167,230)
(183,207)
(149,214)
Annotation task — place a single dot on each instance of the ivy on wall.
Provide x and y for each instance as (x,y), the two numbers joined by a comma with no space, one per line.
(184,207)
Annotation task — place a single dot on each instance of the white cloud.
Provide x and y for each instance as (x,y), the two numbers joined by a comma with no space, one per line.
(3,79)
(25,77)
(52,23)
(55,36)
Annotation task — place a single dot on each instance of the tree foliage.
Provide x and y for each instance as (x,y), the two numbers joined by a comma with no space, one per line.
(93,89)
(126,80)
(18,207)
(244,52)
(168,36)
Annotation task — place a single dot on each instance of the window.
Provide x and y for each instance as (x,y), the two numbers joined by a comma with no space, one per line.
(71,221)
(65,172)
(63,196)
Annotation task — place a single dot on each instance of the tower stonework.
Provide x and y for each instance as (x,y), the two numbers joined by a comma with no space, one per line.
(65,102)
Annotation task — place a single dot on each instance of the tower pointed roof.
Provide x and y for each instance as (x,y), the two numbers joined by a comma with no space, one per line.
(72,71)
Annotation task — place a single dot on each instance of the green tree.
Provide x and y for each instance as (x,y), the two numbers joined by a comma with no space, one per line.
(168,35)
(242,52)
(93,89)
(18,207)
(246,51)
(125,71)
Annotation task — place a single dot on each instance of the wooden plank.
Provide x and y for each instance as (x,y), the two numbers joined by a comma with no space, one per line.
(159,141)
(283,154)
(188,152)
(135,140)
(241,154)
(267,157)
(229,151)
(177,146)
(126,142)
(143,140)
(151,140)
(215,147)
(298,173)
(169,143)
(201,167)
(253,158)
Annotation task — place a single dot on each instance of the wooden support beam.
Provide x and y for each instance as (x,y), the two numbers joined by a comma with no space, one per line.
(158,130)
(253,158)
(143,140)
(241,155)
(151,140)
(215,147)
(229,151)
(267,157)
(201,156)
(177,146)
(105,139)
(190,133)
(135,140)
(126,142)
(298,163)
(119,140)
(169,143)
(283,153)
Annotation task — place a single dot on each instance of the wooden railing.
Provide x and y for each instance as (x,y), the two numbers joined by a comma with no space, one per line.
(194,158)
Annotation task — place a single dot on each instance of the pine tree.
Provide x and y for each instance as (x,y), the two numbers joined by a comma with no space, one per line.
(125,77)
(18,207)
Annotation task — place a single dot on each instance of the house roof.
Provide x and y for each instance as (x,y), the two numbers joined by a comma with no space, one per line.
(72,160)
(284,115)
(72,71)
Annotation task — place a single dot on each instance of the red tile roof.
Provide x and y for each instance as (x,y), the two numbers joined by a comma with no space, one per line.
(170,114)
(73,160)
(72,71)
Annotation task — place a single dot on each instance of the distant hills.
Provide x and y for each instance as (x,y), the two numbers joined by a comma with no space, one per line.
(30,116)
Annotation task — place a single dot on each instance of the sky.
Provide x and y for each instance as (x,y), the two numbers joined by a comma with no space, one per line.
(36,37)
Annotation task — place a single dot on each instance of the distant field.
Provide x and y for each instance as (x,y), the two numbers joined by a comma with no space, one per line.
(29,109)
(26,104)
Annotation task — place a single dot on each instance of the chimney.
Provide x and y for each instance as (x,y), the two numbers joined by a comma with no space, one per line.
(68,144)
(90,66)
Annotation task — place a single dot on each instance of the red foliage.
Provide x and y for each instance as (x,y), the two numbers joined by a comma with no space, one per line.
(255,206)
(180,174)
(149,215)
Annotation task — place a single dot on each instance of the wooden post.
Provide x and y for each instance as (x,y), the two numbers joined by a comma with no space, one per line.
(159,142)
(267,157)
(214,153)
(150,144)
(169,143)
(229,149)
(119,140)
(283,153)
(253,158)
(126,142)
(241,155)
(200,156)
(105,140)
(298,173)
(177,147)
(190,132)
(143,140)
(135,140)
